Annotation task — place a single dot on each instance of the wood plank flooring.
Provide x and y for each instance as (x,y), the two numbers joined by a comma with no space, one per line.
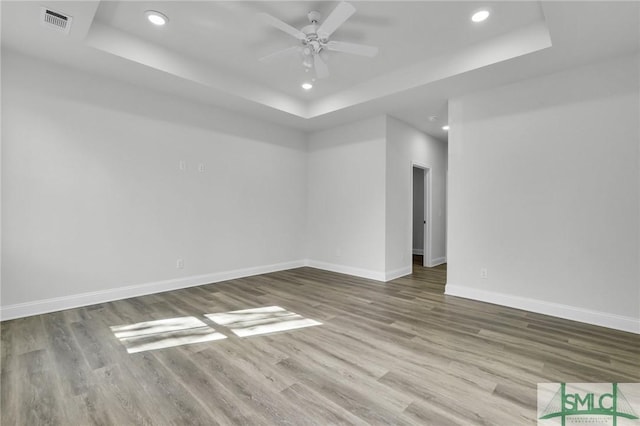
(400,353)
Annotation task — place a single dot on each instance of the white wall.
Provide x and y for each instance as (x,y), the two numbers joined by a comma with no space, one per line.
(418,210)
(346,198)
(93,198)
(360,197)
(407,146)
(544,193)
(96,208)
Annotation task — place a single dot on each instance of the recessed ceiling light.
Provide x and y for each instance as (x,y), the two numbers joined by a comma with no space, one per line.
(156,18)
(445,128)
(480,15)
(307,86)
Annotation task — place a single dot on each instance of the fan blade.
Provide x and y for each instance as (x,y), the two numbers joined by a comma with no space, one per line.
(322,71)
(340,14)
(354,49)
(281,53)
(282,26)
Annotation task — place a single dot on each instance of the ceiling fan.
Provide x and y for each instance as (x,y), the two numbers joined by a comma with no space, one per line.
(314,39)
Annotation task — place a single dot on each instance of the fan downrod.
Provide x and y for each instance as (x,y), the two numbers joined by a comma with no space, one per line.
(314,17)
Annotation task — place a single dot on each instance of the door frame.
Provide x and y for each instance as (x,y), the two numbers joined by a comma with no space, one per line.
(427,219)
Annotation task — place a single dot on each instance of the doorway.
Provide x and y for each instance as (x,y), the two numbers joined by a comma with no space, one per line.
(421,235)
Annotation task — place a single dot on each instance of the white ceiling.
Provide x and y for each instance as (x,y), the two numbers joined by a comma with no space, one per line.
(226,36)
(429,51)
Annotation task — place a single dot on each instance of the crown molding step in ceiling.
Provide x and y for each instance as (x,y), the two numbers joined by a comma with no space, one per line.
(313,65)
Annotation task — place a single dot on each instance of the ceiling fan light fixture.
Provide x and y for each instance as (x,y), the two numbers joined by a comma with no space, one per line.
(315,38)
(307,86)
(480,15)
(156,18)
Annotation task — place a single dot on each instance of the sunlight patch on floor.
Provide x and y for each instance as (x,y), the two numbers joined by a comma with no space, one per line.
(164,333)
(268,319)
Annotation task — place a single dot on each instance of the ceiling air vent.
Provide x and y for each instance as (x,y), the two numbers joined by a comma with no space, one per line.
(56,20)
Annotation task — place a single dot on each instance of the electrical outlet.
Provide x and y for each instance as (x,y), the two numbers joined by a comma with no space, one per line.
(484,273)
(180,264)
(182,165)
(201,167)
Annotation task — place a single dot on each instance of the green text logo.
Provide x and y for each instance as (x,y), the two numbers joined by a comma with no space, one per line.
(589,401)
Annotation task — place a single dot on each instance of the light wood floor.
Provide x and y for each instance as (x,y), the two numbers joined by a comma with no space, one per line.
(398,353)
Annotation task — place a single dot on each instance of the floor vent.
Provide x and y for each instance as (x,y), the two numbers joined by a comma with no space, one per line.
(56,20)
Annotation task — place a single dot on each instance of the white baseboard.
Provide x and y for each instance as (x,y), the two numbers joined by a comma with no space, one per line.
(437,261)
(362,273)
(349,270)
(588,316)
(392,275)
(418,251)
(44,306)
